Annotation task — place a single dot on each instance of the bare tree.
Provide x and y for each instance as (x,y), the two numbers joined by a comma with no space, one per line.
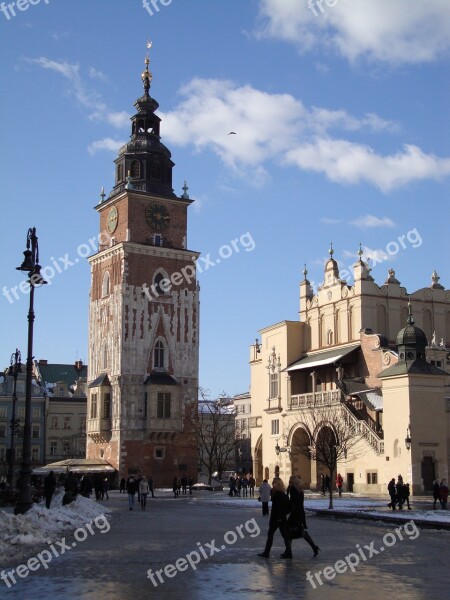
(331,436)
(214,427)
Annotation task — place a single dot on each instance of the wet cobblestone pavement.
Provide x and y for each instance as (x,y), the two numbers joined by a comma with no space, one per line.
(114,565)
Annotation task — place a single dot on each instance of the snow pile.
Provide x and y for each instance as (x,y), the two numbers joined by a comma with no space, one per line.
(40,525)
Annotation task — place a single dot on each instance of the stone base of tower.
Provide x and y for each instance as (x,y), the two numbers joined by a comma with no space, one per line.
(161,461)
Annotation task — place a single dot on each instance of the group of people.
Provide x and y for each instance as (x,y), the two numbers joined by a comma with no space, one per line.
(440,492)
(140,486)
(287,514)
(399,493)
(182,485)
(245,484)
(74,486)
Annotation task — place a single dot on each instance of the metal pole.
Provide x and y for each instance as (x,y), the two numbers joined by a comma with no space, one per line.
(25,500)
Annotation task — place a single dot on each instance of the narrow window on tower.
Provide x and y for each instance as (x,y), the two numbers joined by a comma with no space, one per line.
(107,406)
(163,405)
(158,361)
(105,285)
(156,171)
(105,358)
(273,385)
(119,173)
(135,169)
(93,406)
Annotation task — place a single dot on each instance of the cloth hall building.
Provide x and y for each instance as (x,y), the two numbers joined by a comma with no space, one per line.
(386,363)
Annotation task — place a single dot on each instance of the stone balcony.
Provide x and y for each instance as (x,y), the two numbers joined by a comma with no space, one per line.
(299,401)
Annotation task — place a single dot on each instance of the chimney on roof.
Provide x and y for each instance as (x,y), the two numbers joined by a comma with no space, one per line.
(78,365)
(43,361)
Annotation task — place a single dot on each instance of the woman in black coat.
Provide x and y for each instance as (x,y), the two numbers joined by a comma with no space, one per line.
(297,516)
(278,519)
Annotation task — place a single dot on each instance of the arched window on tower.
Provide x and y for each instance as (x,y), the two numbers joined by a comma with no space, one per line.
(337,336)
(105,285)
(427,325)
(159,277)
(119,173)
(105,358)
(350,323)
(329,337)
(141,126)
(158,356)
(135,169)
(156,171)
(381,320)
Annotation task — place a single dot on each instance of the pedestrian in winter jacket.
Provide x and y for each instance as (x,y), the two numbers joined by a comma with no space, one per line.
(264,494)
(443,494)
(297,516)
(278,519)
(392,493)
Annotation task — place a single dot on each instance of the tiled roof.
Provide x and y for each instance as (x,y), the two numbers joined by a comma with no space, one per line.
(57,372)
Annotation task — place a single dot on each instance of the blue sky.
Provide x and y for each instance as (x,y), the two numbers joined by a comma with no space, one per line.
(342,134)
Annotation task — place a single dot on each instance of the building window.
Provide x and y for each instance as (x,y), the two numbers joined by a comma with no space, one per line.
(21,413)
(36,414)
(2,453)
(83,423)
(54,422)
(135,169)
(273,385)
(35,431)
(119,173)
(105,285)
(94,406)
(107,406)
(53,448)
(159,355)
(163,405)
(35,454)
(66,448)
(67,422)
(105,358)
(3,412)
(372,478)
(329,337)
(160,452)
(163,279)
(157,239)
(19,454)
(275,427)
(156,171)
(2,431)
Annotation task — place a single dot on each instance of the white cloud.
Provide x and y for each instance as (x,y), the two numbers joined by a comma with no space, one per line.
(105,144)
(95,74)
(347,162)
(390,31)
(83,94)
(367,221)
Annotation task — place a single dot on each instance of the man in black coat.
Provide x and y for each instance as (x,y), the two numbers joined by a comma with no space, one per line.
(49,488)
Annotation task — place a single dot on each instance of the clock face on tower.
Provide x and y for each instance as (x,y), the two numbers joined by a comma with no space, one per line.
(113,218)
(157,216)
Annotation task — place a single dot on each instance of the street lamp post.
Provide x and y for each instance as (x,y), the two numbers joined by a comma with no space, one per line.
(13,370)
(31,266)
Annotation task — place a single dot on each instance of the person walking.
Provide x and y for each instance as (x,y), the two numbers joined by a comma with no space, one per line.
(297,516)
(175,487)
(339,482)
(105,487)
(399,489)
(123,485)
(131,490)
(143,491)
(264,494)
(443,494)
(150,486)
(406,493)
(278,519)
(190,484)
(436,492)
(244,487)
(86,486)
(392,493)
(49,488)
(184,483)
(251,486)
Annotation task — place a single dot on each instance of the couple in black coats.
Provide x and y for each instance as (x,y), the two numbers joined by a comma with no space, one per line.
(282,505)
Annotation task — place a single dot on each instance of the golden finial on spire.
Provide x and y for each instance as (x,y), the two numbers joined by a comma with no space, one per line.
(147,75)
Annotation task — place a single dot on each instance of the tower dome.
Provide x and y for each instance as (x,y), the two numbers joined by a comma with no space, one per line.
(411,341)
